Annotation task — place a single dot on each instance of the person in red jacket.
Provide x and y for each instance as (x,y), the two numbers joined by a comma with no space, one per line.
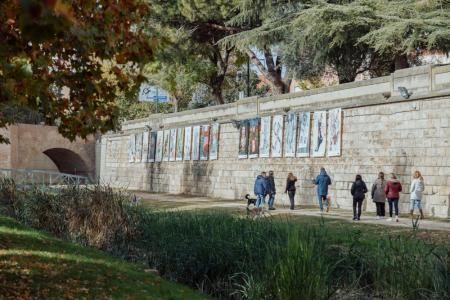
(392,189)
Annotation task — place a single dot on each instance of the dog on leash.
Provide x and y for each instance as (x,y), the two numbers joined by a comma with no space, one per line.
(250,200)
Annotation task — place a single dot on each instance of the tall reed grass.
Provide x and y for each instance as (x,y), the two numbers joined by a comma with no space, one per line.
(230,257)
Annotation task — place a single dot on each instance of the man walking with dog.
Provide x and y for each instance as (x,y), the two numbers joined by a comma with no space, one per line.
(260,190)
(271,190)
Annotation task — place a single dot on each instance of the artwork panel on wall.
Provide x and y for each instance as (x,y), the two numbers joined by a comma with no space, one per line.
(334,132)
(204,142)
(264,137)
(138,145)
(277,136)
(187,142)
(303,139)
(159,146)
(319,136)
(131,148)
(214,145)
(180,144)
(152,144)
(145,136)
(172,144)
(253,138)
(166,149)
(196,143)
(290,135)
(243,139)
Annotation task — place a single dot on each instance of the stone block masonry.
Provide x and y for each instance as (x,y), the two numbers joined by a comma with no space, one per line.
(381,132)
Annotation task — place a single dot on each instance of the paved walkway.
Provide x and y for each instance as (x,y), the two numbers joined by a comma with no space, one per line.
(184,202)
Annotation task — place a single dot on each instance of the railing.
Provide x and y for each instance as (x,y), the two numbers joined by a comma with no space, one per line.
(42,177)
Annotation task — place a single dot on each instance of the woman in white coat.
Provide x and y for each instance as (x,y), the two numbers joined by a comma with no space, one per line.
(416,190)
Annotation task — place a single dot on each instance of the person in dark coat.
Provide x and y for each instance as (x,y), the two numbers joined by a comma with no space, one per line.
(359,189)
(271,190)
(322,181)
(260,189)
(290,188)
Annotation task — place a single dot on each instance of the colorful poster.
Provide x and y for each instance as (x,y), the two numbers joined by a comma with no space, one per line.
(303,134)
(204,142)
(138,145)
(172,144)
(253,138)
(145,146)
(290,135)
(187,143)
(180,144)
(214,145)
(196,143)
(166,149)
(131,148)
(319,133)
(334,132)
(243,139)
(159,146)
(152,144)
(277,136)
(264,138)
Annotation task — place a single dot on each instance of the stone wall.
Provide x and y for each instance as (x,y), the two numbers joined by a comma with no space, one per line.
(381,132)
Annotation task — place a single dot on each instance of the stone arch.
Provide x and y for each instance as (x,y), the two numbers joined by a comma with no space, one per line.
(68,161)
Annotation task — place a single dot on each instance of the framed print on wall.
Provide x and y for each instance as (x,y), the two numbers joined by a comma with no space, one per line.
(334,132)
(290,135)
(304,127)
(214,145)
(196,143)
(277,136)
(319,135)
(264,137)
(204,142)
(187,142)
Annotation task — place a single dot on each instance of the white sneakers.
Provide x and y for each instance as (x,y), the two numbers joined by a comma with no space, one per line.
(389,220)
(378,217)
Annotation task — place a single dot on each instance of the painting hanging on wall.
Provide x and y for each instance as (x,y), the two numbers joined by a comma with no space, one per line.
(319,135)
(264,137)
(172,144)
(334,132)
(277,136)
(131,148)
(214,145)
(187,143)
(138,145)
(204,142)
(253,138)
(152,137)
(180,144)
(144,146)
(159,146)
(166,150)
(290,135)
(243,139)
(304,125)
(196,143)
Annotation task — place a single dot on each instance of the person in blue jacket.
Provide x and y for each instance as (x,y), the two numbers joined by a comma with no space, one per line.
(260,189)
(322,181)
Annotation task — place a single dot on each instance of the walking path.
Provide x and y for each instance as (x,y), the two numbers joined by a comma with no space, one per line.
(185,202)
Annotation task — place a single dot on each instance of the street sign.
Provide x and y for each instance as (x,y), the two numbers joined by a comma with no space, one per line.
(152,93)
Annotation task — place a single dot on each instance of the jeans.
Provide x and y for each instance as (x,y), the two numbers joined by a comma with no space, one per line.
(413,203)
(357,212)
(260,200)
(271,200)
(393,202)
(291,198)
(381,209)
(322,199)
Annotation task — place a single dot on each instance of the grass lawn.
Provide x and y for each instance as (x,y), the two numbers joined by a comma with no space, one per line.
(35,265)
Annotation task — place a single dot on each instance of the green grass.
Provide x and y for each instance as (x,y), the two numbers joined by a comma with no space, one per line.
(36,265)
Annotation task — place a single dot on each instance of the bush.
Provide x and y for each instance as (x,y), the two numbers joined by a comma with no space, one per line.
(232,257)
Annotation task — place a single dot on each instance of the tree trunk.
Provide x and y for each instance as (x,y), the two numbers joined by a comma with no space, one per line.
(401,62)
(217,93)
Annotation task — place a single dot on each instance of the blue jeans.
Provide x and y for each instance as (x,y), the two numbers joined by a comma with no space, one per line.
(322,201)
(271,200)
(393,202)
(260,200)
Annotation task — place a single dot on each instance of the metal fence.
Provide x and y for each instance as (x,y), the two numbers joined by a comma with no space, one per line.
(42,177)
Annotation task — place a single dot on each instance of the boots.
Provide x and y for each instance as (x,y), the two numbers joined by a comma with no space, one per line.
(421,214)
(411,212)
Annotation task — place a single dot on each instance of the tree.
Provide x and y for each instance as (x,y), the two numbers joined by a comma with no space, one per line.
(69,60)
(192,29)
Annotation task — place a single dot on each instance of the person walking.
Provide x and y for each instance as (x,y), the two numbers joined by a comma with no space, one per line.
(379,196)
(322,181)
(392,189)
(358,191)
(416,190)
(260,189)
(290,188)
(271,190)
